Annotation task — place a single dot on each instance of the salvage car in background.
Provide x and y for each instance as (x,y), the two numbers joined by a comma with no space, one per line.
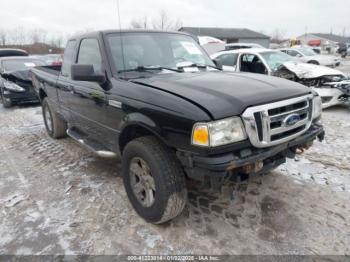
(12,52)
(50,59)
(332,85)
(344,49)
(53,59)
(15,81)
(307,55)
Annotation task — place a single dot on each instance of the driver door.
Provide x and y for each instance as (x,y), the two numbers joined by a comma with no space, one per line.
(88,100)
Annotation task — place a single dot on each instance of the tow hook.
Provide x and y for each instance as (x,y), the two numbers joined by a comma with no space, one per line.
(301,149)
(252,168)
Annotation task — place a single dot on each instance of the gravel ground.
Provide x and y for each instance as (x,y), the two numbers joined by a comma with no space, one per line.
(58,198)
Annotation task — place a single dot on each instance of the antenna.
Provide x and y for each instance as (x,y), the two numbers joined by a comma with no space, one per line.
(120,35)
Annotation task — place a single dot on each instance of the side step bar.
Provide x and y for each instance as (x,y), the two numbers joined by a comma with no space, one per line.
(91,145)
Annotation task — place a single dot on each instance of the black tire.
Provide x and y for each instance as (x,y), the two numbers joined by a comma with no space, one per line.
(170,194)
(313,62)
(343,54)
(56,127)
(5,103)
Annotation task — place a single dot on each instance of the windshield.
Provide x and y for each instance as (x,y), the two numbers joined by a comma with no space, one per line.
(276,59)
(135,50)
(306,51)
(17,64)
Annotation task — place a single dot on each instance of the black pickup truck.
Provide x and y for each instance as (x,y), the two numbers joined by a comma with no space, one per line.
(158,101)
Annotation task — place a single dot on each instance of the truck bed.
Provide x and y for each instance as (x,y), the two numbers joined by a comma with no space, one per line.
(55,70)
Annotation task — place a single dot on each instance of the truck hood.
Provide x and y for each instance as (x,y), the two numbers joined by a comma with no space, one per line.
(309,71)
(223,94)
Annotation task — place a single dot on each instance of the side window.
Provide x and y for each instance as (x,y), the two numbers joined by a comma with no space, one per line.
(68,58)
(228,59)
(293,53)
(252,64)
(89,53)
(248,58)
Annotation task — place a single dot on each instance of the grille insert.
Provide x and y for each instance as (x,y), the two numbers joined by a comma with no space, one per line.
(278,122)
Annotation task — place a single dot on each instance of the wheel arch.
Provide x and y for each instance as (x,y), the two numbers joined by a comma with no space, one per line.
(138,125)
(314,62)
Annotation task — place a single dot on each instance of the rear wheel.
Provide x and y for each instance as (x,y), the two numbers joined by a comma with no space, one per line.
(313,62)
(154,180)
(56,127)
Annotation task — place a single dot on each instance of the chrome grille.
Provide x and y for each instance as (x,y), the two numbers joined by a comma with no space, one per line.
(278,122)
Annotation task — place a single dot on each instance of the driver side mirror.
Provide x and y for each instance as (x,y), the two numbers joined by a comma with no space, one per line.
(217,63)
(86,73)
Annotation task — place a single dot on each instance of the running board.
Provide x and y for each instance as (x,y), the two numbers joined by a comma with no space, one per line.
(91,145)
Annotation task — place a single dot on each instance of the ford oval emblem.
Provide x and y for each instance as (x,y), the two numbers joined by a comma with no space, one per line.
(291,120)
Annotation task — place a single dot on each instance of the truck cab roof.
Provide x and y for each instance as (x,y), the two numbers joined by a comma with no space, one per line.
(114,31)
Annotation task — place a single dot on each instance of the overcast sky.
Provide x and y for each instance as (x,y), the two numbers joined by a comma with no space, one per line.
(70,16)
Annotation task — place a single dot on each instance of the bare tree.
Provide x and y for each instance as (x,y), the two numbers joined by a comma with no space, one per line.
(37,36)
(177,25)
(3,37)
(278,35)
(161,22)
(139,23)
(17,36)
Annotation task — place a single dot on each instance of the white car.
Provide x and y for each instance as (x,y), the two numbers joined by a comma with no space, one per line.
(332,85)
(307,55)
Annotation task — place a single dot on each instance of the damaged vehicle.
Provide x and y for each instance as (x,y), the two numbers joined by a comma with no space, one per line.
(332,85)
(158,101)
(308,55)
(15,80)
(12,52)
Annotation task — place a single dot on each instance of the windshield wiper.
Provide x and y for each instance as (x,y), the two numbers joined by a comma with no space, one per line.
(198,66)
(149,68)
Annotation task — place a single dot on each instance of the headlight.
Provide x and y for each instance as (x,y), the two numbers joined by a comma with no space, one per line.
(218,133)
(13,87)
(317,107)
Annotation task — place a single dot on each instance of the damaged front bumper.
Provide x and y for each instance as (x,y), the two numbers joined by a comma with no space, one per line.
(248,161)
(334,93)
(21,97)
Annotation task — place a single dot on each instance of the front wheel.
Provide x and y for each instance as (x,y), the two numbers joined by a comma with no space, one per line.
(313,62)
(154,180)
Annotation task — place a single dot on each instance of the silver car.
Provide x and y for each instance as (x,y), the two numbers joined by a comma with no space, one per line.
(307,55)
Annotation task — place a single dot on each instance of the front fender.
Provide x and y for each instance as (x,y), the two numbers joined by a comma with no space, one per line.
(135,121)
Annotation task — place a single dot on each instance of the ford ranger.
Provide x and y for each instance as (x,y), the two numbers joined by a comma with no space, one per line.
(157,100)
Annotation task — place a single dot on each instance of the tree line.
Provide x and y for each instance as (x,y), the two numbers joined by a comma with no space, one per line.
(20,36)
